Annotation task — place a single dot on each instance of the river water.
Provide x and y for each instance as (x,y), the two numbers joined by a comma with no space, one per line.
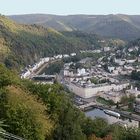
(111,119)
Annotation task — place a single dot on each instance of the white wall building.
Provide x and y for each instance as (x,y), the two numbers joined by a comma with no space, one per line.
(81,71)
(73,54)
(66,56)
(58,56)
(26,74)
(120,61)
(111,69)
(106,49)
(89,92)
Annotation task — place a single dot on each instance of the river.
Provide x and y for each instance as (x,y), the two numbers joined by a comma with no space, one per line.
(111,119)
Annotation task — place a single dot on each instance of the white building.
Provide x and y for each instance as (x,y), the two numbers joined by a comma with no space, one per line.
(26,74)
(120,61)
(106,49)
(58,56)
(81,71)
(111,69)
(73,54)
(88,92)
(46,59)
(67,72)
(66,56)
(130,49)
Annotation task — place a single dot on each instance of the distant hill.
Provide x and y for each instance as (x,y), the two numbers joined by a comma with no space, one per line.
(21,44)
(125,27)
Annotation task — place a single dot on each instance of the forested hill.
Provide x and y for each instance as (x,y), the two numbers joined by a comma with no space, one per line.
(23,44)
(118,26)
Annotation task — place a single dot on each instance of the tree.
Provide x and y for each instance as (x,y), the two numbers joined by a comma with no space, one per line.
(88,126)
(5,76)
(24,115)
(93,137)
(98,126)
(127,100)
(108,137)
(67,118)
(135,75)
(121,133)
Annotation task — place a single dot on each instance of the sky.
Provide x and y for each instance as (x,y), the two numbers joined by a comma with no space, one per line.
(70,7)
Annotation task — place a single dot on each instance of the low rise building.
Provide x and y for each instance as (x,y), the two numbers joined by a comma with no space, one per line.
(91,91)
(120,61)
(26,74)
(73,54)
(81,71)
(106,49)
(66,56)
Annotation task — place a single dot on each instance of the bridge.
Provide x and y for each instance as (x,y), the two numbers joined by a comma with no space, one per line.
(87,106)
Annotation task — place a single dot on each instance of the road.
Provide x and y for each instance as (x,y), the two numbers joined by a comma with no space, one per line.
(42,67)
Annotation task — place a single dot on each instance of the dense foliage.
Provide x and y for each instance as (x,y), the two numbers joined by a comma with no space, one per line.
(22,44)
(54,68)
(39,112)
(135,75)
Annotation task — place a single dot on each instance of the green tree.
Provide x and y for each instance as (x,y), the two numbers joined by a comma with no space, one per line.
(5,76)
(66,117)
(98,126)
(24,115)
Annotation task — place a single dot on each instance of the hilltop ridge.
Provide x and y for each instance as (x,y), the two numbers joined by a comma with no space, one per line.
(120,26)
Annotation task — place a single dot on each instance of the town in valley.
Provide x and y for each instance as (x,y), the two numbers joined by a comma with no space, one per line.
(104,78)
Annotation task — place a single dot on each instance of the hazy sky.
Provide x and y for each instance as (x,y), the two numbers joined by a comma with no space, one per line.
(64,7)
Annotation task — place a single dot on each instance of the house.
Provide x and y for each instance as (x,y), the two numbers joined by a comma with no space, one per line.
(111,69)
(106,49)
(120,61)
(58,56)
(66,56)
(26,74)
(73,54)
(81,71)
